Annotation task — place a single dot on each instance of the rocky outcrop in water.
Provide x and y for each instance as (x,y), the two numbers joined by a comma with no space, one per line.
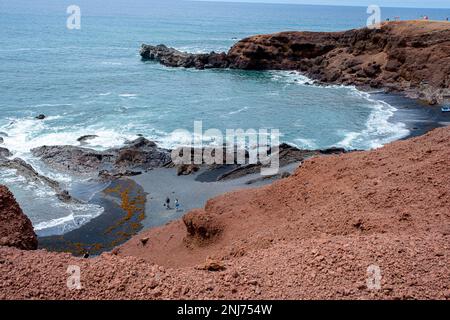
(174,58)
(27,171)
(16,229)
(140,154)
(408,56)
(83,139)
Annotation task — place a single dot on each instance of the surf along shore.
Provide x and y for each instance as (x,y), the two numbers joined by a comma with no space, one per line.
(323,226)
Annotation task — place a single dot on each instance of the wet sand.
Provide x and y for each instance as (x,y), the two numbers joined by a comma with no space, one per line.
(191,193)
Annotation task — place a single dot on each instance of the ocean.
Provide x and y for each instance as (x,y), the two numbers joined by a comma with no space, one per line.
(92,81)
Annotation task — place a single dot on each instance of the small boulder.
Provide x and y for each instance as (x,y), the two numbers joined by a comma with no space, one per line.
(187,169)
(212,265)
(201,227)
(144,241)
(4,153)
(64,196)
(87,137)
(40,117)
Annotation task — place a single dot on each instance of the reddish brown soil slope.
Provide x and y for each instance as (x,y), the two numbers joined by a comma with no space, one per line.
(403,188)
(312,235)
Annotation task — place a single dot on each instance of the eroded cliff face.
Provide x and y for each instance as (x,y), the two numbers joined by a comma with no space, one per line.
(408,56)
(16,229)
(411,56)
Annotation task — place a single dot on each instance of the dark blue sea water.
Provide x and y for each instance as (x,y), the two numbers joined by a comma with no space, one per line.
(92,81)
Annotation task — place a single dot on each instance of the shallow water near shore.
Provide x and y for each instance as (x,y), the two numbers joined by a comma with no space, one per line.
(92,81)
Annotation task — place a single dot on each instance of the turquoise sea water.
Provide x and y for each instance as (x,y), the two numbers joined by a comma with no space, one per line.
(92,81)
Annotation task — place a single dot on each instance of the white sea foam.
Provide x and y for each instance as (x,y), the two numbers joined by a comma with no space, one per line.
(379,130)
(79,214)
(128,95)
(238,111)
(303,143)
(41,200)
(44,105)
(201,50)
(290,77)
(27,133)
(111,63)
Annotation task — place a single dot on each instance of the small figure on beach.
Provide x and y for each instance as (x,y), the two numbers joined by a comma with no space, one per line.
(167,204)
(177,205)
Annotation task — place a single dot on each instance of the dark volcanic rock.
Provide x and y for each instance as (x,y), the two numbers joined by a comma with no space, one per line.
(71,158)
(16,229)
(40,117)
(333,150)
(4,153)
(174,58)
(186,169)
(28,172)
(85,138)
(140,154)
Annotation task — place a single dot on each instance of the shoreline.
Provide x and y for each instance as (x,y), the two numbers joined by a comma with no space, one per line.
(124,203)
(313,57)
(160,183)
(419,118)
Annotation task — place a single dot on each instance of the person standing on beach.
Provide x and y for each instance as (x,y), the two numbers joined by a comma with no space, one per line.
(177,205)
(168,203)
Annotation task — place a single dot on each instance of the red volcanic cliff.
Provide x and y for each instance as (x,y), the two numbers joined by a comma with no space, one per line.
(16,229)
(407,56)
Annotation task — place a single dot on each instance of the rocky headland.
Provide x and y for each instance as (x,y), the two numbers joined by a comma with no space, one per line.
(411,57)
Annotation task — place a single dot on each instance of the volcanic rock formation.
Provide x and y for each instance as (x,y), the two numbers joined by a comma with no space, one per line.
(408,56)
